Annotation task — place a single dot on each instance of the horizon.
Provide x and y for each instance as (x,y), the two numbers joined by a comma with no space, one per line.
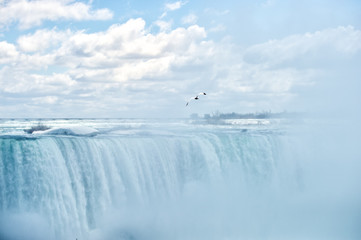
(135,59)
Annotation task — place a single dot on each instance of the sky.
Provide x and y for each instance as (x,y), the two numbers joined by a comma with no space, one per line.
(138,58)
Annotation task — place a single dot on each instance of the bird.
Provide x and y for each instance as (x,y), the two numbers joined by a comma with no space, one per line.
(196,97)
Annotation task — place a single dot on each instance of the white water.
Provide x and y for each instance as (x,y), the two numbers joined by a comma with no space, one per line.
(173,180)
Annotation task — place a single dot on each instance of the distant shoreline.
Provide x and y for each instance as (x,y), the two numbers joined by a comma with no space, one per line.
(257,115)
(213,116)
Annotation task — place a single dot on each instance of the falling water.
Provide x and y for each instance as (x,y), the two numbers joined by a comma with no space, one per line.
(166,182)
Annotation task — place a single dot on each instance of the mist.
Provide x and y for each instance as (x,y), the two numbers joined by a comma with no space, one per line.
(315,192)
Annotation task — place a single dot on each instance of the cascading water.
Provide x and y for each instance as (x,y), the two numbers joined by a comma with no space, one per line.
(208,183)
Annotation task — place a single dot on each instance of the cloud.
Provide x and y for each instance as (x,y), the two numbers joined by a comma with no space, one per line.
(190,19)
(279,71)
(15,81)
(29,13)
(123,61)
(163,25)
(127,43)
(41,40)
(8,53)
(172,7)
(315,47)
(128,70)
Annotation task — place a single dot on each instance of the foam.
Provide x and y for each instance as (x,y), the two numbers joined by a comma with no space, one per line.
(70,130)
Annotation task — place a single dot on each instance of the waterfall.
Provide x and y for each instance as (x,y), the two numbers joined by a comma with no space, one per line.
(185,185)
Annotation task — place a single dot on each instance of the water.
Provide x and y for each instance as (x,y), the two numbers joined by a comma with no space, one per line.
(176,179)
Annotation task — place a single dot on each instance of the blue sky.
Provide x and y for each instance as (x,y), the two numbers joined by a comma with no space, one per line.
(136,58)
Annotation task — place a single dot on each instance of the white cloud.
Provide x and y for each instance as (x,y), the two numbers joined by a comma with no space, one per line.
(172,7)
(190,19)
(17,81)
(45,100)
(318,45)
(163,25)
(126,67)
(126,43)
(122,61)
(32,13)
(8,53)
(272,75)
(41,40)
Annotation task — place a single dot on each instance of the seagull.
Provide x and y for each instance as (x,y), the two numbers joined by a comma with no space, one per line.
(196,97)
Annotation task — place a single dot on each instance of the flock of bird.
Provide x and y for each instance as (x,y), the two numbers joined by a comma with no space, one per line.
(196,97)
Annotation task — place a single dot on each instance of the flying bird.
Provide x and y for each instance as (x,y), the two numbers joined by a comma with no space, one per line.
(196,97)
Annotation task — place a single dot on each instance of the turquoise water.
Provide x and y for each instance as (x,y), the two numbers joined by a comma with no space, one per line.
(173,179)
